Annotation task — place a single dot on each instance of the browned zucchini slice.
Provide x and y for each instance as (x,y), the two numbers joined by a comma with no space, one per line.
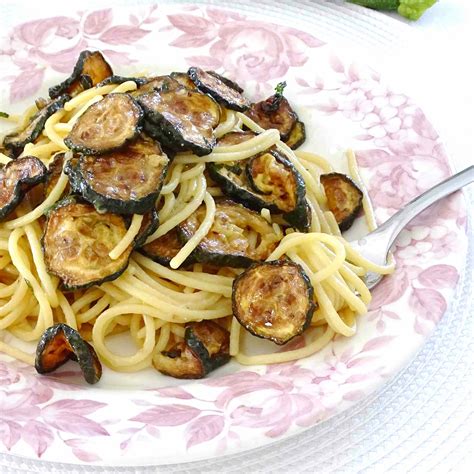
(209,342)
(126,181)
(90,69)
(77,241)
(267,180)
(55,169)
(228,242)
(179,361)
(183,79)
(181,119)
(150,223)
(219,90)
(106,125)
(297,135)
(16,178)
(273,300)
(234,138)
(344,198)
(300,218)
(139,81)
(164,248)
(60,343)
(271,174)
(226,81)
(274,112)
(204,349)
(16,141)
(156,83)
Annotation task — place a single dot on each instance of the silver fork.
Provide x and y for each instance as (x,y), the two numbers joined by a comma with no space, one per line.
(376,245)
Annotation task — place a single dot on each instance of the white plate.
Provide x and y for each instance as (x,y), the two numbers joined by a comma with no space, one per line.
(140,419)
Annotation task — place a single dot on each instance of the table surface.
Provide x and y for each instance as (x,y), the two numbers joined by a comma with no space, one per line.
(443,46)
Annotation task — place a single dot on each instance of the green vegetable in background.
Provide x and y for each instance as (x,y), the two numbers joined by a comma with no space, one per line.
(411,9)
(4,115)
(378,4)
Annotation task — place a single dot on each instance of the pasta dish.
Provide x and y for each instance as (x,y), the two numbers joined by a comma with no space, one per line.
(173,209)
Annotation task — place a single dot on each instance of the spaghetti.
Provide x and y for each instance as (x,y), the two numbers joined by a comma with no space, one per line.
(150,301)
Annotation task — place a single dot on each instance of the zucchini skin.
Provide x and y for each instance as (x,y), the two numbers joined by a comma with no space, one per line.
(171,244)
(55,169)
(81,79)
(114,79)
(76,349)
(297,135)
(80,185)
(300,218)
(150,223)
(16,141)
(228,82)
(32,173)
(265,332)
(159,128)
(219,90)
(184,79)
(245,196)
(211,360)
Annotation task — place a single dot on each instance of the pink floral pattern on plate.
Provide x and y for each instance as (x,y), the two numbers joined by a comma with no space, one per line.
(400,155)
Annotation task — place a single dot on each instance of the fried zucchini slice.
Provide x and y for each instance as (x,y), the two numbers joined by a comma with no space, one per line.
(156,83)
(180,362)
(127,181)
(60,343)
(234,138)
(219,90)
(300,217)
(184,79)
(164,249)
(91,68)
(16,141)
(231,178)
(205,348)
(180,119)
(297,135)
(150,223)
(55,169)
(209,342)
(77,241)
(238,237)
(267,180)
(226,81)
(273,300)
(271,174)
(274,112)
(139,81)
(106,125)
(344,198)
(16,178)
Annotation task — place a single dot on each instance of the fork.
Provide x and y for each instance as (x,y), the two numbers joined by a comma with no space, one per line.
(376,245)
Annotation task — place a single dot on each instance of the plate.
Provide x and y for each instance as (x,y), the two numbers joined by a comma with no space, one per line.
(140,420)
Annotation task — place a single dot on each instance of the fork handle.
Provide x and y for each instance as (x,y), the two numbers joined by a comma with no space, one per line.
(393,226)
